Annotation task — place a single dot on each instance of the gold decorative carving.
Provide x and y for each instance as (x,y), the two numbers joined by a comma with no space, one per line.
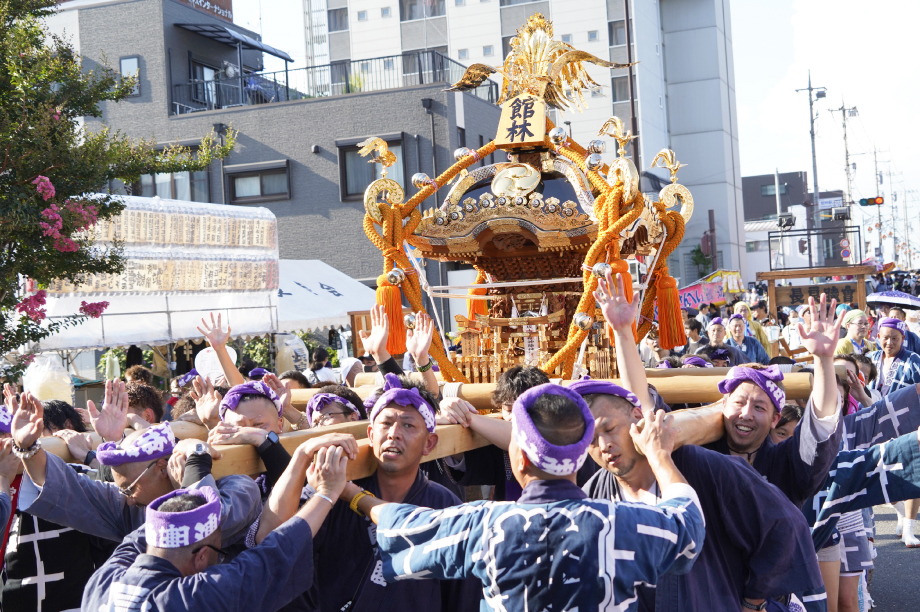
(674,192)
(522,123)
(622,167)
(515,180)
(392,191)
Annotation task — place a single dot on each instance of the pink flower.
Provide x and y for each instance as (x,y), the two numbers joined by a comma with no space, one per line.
(44,187)
(28,359)
(55,115)
(32,306)
(93,310)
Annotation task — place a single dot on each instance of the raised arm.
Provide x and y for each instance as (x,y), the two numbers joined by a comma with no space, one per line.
(112,420)
(460,412)
(375,342)
(820,339)
(26,428)
(218,340)
(418,343)
(620,313)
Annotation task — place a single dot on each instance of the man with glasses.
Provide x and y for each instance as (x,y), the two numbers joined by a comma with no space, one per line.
(176,561)
(855,342)
(146,465)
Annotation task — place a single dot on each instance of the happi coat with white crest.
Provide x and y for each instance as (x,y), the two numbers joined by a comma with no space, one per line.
(743,540)
(904,371)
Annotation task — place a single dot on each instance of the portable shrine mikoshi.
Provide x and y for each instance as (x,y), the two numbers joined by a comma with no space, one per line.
(540,229)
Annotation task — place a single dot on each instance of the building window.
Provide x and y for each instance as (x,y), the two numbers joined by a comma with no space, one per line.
(130,66)
(338,20)
(616,31)
(513,2)
(187,186)
(488,51)
(261,185)
(770,190)
(506,45)
(459,2)
(203,90)
(620,89)
(463,54)
(410,10)
(388,64)
(362,15)
(461,137)
(753,246)
(385,12)
(828,244)
(356,174)
(365,67)
(592,36)
(567,38)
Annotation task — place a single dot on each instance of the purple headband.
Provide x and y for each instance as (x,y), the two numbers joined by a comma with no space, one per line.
(766,379)
(254,387)
(156,442)
(393,393)
(6,418)
(179,529)
(697,361)
(321,400)
(735,316)
(716,321)
(721,354)
(187,378)
(258,373)
(663,365)
(555,460)
(893,323)
(603,387)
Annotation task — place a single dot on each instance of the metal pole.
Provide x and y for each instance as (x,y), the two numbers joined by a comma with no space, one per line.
(239,55)
(814,163)
(713,249)
(779,209)
(632,86)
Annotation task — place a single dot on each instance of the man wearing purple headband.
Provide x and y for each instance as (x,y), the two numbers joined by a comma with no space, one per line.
(717,336)
(726,571)
(176,562)
(349,567)
(553,549)
(751,347)
(140,468)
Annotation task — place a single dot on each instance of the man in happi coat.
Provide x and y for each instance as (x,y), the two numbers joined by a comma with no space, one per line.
(54,492)
(750,525)
(347,559)
(175,562)
(753,399)
(897,367)
(553,549)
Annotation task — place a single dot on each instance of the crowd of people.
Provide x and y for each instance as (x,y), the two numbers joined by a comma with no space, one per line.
(589,495)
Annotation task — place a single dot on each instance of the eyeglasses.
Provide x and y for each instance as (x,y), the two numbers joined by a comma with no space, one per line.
(327,416)
(129,490)
(860,324)
(221,553)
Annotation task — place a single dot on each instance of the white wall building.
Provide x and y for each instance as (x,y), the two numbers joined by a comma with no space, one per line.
(784,253)
(685,98)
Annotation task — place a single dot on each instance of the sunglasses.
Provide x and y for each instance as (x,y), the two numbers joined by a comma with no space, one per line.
(129,490)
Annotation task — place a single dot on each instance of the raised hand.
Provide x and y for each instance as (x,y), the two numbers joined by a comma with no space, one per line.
(213,332)
(619,312)
(79,444)
(284,394)
(28,423)
(657,435)
(418,340)
(9,465)
(820,339)
(326,473)
(112,420)
(207,401)
(375,342)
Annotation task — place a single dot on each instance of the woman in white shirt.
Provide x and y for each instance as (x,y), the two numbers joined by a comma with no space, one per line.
(319,370)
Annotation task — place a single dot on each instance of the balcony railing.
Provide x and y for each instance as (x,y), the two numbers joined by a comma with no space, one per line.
(336,79)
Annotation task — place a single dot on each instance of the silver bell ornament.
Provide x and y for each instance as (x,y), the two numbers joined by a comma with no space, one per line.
(409,320)
(583,320)
(419,180)
(597,146)
(601,269)
(396,276)
(557,135)
(594,162)
(462,152)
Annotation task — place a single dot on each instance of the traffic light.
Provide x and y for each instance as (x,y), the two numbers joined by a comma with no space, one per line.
(876,201)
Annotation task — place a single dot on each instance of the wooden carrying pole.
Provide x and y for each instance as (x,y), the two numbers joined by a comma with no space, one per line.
(698,426)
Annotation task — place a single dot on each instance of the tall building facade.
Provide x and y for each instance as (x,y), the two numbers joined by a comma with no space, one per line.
(684,79)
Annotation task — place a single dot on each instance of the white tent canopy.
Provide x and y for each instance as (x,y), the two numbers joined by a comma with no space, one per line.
(314,295)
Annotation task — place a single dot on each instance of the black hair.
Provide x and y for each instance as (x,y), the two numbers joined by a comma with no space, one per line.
(695,325)
(58,412)
(513,382)
(407,383)
(683,359)
(247,365)
(873,370)
(184,404)
(139,374)
(782,360)
(141,397)
(558,419)
(791,412)
(320,357)
(296,376)
(182,503)
(672,360)
(715,352)
(346,393)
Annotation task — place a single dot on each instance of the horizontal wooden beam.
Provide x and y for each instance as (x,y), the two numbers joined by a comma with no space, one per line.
(812,272)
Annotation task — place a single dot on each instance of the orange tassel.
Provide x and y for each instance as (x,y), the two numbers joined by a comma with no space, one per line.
(390,297)
(670,324)
(475,307)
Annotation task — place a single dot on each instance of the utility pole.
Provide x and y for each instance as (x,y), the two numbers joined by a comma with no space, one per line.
(877,208)
(632,84)
(820,92)
(844,113)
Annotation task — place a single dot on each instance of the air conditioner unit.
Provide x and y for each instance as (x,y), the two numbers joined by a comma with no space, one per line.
(231,70)
(785,220)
